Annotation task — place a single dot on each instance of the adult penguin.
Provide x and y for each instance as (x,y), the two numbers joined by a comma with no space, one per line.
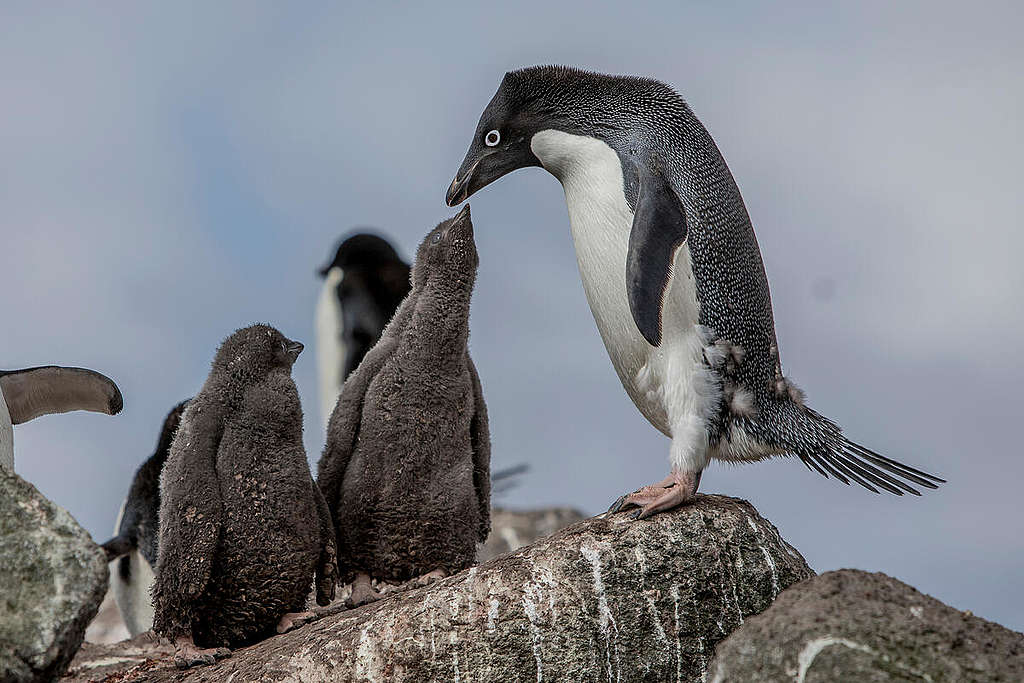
(672,272)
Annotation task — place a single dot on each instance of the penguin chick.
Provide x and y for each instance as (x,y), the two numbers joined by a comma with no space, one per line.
(363,286)
(32,392)
(137,534)
(406,468)
(670,265)
(243,527)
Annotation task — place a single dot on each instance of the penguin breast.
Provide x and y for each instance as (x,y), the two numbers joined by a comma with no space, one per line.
(656,379)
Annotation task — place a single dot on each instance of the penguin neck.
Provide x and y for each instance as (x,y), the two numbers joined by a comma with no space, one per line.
(6,436)
(441,317)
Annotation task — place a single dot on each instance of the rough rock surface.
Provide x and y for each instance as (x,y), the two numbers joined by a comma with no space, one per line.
(513,529)
(54,578)
(852,625)
(607,599)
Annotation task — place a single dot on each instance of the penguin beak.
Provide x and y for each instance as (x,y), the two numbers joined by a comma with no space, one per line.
(482,166)
(462,224)
(294,348)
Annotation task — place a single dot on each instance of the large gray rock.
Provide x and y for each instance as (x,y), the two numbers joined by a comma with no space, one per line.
(851,625)
(54,578)
(606,599)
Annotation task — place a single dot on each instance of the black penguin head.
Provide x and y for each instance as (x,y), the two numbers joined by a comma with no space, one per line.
(448,253)
(255,351)
(545,98)
(362,250)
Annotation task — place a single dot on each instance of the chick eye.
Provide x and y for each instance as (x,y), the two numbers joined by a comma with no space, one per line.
(436,238)
(284,346)
(492,138)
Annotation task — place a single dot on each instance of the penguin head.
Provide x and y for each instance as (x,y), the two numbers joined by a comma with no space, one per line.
(256,351)
(448,253)
(540,98)
(362,250)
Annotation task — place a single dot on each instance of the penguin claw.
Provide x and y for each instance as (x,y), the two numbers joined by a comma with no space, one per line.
(187,655)
(674,490)
(618,504)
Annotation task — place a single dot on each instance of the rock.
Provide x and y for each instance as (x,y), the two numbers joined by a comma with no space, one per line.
(54,579)
(605,599)
(512,529)
(851,625)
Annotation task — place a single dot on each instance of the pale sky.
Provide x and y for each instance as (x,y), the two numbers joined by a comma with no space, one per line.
(170,173)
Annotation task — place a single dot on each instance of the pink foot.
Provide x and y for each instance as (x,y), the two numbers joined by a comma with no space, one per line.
(426,579)
(362,591)
(293,620)
(674,490)
(187,655)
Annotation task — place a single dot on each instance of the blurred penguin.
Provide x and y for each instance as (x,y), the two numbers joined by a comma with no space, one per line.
(137,534)
(363,285)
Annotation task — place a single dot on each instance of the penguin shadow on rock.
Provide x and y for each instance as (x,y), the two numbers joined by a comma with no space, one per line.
(136,539)
(243,529)
(32,392)
(406,468)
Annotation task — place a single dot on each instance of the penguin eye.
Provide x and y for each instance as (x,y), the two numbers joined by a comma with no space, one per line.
(492,138)
(436,238)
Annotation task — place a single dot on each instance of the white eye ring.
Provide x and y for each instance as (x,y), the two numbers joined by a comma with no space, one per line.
(492,138)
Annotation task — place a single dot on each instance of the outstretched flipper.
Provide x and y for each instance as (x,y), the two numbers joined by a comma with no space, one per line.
(659,228)
(33,392)
(191,514)
(481,435)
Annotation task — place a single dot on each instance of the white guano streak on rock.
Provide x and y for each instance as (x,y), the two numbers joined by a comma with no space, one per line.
(814,647)
(607,624)
(655,614)
(530,607)
(679,644)
(767,557)
(492,614)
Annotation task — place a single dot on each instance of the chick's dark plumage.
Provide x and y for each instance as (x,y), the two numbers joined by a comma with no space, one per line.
(243,528)
(406,469)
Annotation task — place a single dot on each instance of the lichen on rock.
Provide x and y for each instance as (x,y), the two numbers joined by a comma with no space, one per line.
(54,578)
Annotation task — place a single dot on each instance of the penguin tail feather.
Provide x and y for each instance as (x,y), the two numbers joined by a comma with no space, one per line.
(835,455)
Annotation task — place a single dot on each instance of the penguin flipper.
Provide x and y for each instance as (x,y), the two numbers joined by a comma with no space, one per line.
(659,227)
(191,516)
(480,433)
(51,389)
(344,423)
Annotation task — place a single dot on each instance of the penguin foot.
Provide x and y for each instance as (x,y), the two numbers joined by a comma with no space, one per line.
(293,620)
(674,490)
(426,579)
(187,655)
(362,591)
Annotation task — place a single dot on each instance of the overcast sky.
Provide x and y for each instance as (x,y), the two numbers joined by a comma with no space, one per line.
(170,173)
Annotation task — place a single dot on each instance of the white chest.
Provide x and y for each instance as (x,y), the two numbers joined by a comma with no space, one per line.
(6,436)
(659,380)
(330,349)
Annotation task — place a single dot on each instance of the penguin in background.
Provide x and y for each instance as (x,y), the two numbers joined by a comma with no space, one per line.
(137,530)
(32,392)
(363,285)
(672,272)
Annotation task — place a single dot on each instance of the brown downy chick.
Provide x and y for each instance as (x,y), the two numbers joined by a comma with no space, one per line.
(243,527)
(406,468)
